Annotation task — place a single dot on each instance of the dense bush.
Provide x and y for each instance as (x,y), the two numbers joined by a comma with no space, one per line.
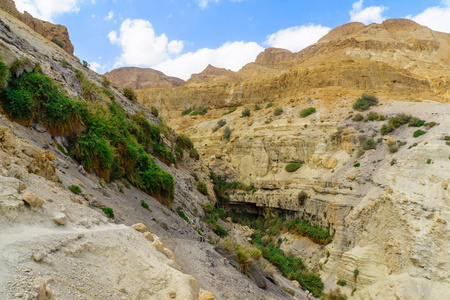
(245,113)
(4,72)
(219,125)
(202,188)
(179,153)
(212,214)
(307,111)
(129,93)
(144,204)
(369,144)
(365,102)
(358,118)
(199,111)
(257,107)
(194,154)
(278,111)
(415,122)
(154,111)
(160,150)
(90,90)
(57,42)
(302,196)
(292,167)
(105,82)
(418,133)
(184,142)
(183,215)
(108,212)
(227,133)
(342,282)
(75,189)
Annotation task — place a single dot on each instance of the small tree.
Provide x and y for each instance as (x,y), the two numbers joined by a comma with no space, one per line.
(245,113)
(278,111)
(355,274)
(86,64)
(227,133)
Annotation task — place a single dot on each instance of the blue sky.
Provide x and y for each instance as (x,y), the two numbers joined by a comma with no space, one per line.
(181,37)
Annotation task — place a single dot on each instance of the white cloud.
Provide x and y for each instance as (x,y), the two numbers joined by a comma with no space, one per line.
(109,16)
(141,46)
(46,9)
(230,56)
(367,15)
(436,18)
(296,38)
(96,67)
(204,3)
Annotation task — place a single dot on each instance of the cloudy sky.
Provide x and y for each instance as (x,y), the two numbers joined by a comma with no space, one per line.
(181,37)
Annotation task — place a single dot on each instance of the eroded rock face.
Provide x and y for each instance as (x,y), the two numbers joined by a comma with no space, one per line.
(46,29)
(142,78)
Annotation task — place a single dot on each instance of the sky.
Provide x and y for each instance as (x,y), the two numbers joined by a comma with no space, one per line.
(181,37)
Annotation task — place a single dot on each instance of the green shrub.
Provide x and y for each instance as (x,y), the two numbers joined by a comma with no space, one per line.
(307,111)
(86,65)
(75,189)
(429,161)
(108,212)
(357,165)
(431,124)
(57,42)
(4,73)
(227,133)
(219,125)
(106,83)
(369,144)
(292,167)
(144,204)
(241,256)
(393,148)
(184,142)
(202,188)
(129,93)
(302,196)
(183,215)
(358,118)
(372,116)
(385,129)
(65,64)
(179,153)
(230,111)
(418,133)
(415,122)
(186,112)
(154,111)
(194,154)
(90,90)
(245,113)
(269,105)
(199,111)
(257,107)
(355,274)
(365,102)
(278,111)
(342,282)
(220,231)
(160,150)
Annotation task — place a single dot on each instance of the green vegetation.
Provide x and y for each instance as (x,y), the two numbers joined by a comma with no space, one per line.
(105,82)
(230,111)
(219,125)
(108,212)
(302,196)
(393,148)
(269,105)
(186,112)
(342,282)
(222,187)
(358,118)
(57,42)
(369,144)
(292,167)
(257,107)
(75,189)
(245,113)
(199,111)
(418,133)
(129,93)
(278,111)
(4,73)
(307,111)
(365,102)
(355,274)
(144,204)
(179,153)
(373,116)
(194,154)
(227,133)
(429,161)
(184,142)
(357,165)
(86,65)
(154,111)
(202,188)
(212,215)
(61,148)
(183,215)
(399,120)
(90,91)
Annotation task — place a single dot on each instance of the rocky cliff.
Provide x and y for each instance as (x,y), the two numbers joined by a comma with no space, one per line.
(52,32)
(383,197)
(140,78)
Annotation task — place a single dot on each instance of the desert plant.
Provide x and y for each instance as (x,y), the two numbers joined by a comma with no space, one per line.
(186,112)
(372,116)
(194,154)
(418,133)
(202,188)
(129,93)
(199,111)
(57,42)
(357,165)
(269,105)
(179,153)
(257,107)
(3,73)
(86,65)
(227,133)
(307,111)
(393,148)
(184,142)
(144,204)
(183,215)
(245,113)
(302,196)
(365,102)
(75,189)
(415,122)
(154,111)
(355,274)
(342,282)
(90,90)
(278,111)
(369,144)
(292,167)
(358,118)
(230,111)
(109,212)
(105,82)
(219,125)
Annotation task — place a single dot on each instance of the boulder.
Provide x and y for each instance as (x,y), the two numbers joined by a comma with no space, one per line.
(60,219)
(140,227)
(206,295)
(32,199)
(149,236)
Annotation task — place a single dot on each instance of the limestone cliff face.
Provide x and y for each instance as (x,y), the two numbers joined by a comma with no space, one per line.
(46,29)
(142,78)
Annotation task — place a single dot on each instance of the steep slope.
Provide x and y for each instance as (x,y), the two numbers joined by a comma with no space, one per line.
(50,31)
(140,78)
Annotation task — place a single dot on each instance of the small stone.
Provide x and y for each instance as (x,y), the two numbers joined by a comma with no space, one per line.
(159,246)
(60,219)
(351,177)
(172,294)
(38,256)
(33,200)
(169,254)
(140,227)
(149,236)
(206,295)
(40,287)
(444,184)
